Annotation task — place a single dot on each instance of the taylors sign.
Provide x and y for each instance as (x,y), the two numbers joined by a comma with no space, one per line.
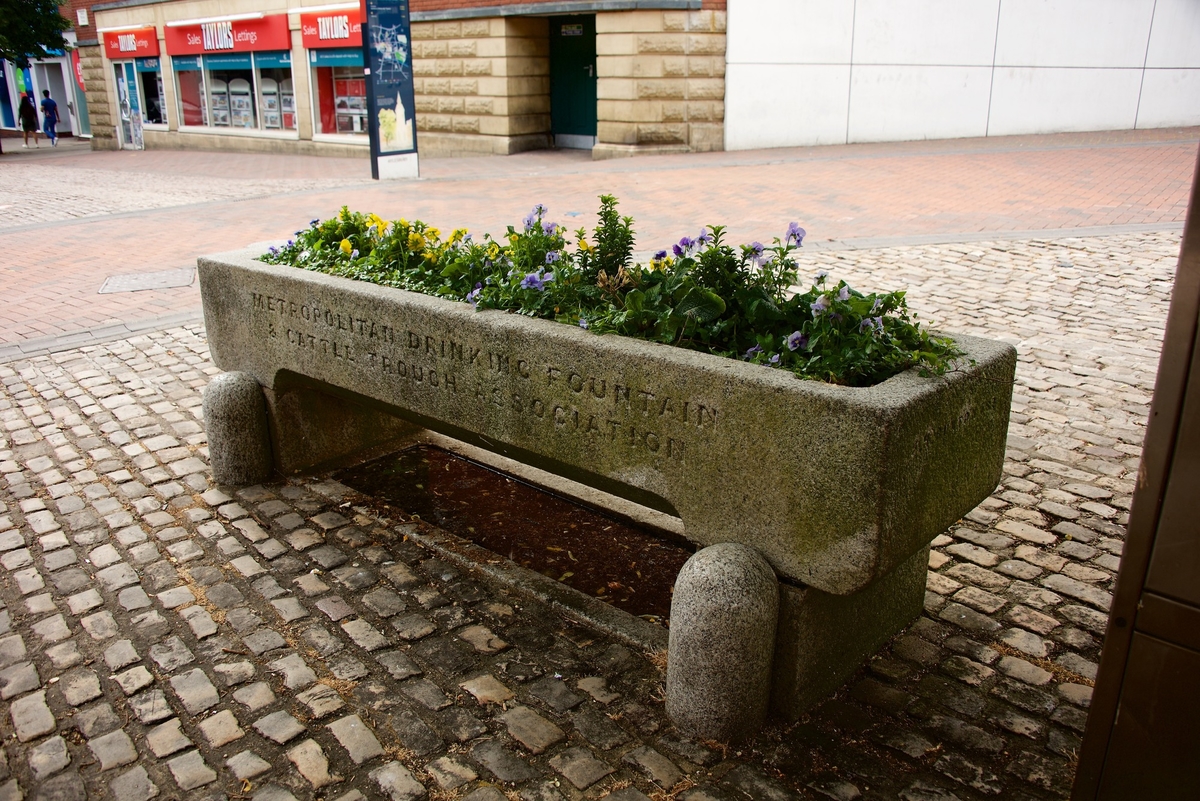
(142,42)
(217,35)
(223,36)
(333,27)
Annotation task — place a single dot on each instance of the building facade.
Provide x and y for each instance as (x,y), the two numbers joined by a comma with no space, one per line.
(622,77)
(617,77)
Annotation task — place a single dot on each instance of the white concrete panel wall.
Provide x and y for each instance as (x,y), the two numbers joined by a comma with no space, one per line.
(808,72)
(775,102)
(901,102)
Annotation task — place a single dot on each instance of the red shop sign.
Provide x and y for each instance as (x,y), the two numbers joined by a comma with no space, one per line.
(230,36)
(131,44)
(332,29)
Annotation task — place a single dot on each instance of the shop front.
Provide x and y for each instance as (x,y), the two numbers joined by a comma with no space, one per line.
(58,74)
(233,75)
(137,75)
(333,42)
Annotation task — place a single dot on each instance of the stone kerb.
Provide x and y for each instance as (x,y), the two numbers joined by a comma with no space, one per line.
(835,486)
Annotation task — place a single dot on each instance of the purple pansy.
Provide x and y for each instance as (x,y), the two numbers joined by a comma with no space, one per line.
(548,228)
(796,341)
(473,295)
(553,256)
(820,305)
(750,354)
(537,280)
(583,323)
(795,234)
(844,293)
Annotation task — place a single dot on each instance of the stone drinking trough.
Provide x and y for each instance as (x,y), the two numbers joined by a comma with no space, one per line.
(840,489)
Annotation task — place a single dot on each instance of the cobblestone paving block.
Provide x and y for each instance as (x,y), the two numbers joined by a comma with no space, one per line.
(357,738)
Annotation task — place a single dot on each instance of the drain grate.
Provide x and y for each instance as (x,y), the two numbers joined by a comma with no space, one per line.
(136,282)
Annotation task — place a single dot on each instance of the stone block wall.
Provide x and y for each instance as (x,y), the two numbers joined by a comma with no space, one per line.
(104,132)
(482,85)
(661,82)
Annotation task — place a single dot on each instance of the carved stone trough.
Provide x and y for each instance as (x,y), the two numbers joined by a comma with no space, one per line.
(840,489)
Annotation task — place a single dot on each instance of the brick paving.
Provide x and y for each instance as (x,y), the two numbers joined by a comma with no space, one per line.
(59,245)
(163,636)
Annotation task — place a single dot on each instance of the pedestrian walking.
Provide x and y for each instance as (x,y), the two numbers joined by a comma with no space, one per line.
(29,121)
(49,117)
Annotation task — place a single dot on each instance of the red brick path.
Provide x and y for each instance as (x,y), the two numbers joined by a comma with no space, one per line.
(50,272)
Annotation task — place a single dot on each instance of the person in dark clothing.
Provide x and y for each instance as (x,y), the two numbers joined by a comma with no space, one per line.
(29,120)
(49,117)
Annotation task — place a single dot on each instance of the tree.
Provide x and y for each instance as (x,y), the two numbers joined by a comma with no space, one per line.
(30,29)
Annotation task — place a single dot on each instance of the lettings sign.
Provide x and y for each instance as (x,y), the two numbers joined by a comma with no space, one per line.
(336,29)
(230,36)
(131,44)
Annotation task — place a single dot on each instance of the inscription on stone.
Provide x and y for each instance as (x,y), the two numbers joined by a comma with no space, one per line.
(600,408)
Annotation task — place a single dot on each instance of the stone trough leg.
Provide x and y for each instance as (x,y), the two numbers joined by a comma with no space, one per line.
(722,640)
(235,417)
(738,637)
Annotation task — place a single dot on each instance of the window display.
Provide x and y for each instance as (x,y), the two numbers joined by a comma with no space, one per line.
(276,98)
(193,102)
(340,86)
(150,82)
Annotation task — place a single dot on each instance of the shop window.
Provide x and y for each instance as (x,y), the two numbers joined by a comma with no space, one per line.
(232,100)
(193,102)
(150,83)
(340,86)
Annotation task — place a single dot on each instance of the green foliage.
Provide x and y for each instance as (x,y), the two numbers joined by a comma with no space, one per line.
(704,295)
(30,29)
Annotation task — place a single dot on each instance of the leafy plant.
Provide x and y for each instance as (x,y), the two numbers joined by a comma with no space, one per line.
(704,294)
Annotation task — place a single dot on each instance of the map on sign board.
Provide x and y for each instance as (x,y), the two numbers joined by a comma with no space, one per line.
(390,76)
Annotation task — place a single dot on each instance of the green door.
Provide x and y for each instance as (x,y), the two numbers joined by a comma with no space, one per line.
(573,81)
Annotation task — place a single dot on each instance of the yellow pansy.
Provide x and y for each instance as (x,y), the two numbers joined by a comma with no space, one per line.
(415,241)
(493,250)
(515,238)
(433,233)
(585,246)
(346,246)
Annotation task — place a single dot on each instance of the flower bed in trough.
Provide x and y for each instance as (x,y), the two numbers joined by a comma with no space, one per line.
(839,484)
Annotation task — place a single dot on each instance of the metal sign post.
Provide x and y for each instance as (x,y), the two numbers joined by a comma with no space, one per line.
(391,106)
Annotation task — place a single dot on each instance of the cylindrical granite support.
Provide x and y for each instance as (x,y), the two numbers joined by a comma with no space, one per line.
(239,441)
(722,640)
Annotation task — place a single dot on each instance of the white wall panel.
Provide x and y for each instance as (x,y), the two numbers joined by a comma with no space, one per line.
(1170,98)
(789,31)
(770,105)
(1029,101)
(958,32)
(1175,36)
(924,68)
(1073,33)
(889,103)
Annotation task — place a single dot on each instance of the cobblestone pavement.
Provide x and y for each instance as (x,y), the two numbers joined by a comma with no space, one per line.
(852,195)
(163,636)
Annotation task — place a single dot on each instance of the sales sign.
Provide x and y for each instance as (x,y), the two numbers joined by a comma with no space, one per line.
(338,29)
(230,36)
(131,44)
